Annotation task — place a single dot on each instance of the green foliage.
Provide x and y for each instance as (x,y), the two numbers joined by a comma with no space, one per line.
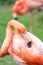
(7,2)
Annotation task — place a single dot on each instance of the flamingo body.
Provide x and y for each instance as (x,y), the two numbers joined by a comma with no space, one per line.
(22,6)
(17,45)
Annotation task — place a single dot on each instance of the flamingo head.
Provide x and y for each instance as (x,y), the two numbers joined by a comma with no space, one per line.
(27,47)
(20,8)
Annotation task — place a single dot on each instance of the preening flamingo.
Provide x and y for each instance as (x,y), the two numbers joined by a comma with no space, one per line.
(23,6)
(17,44)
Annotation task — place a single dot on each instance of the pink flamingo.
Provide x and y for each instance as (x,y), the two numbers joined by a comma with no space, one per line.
(17,45)
(23,6)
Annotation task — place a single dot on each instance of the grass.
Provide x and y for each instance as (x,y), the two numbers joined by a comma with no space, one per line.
(6,16)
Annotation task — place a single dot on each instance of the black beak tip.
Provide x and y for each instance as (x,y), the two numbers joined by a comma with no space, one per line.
(15,18)
(29,44)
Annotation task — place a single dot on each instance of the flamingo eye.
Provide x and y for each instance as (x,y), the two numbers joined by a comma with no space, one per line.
(29,44)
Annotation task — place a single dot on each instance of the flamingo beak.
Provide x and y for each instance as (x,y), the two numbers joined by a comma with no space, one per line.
(15,16)
(28,38)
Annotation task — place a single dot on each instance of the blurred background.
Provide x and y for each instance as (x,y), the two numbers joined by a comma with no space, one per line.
(7,2)
(6,16)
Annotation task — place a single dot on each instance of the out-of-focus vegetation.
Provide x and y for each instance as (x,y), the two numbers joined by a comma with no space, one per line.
(7,2)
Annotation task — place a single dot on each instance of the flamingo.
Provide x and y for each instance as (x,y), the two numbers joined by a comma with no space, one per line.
(23,6)
(17,44)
